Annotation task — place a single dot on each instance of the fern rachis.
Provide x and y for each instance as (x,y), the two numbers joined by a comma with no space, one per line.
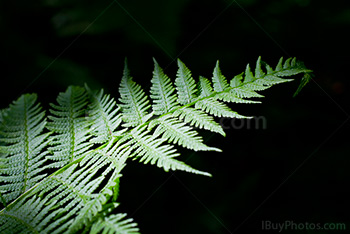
(89,152)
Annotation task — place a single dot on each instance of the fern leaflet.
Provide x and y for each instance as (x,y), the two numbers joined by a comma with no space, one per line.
(134,103)
(23,155)
(162,92)
(103,116)
(69,124)
(185,84)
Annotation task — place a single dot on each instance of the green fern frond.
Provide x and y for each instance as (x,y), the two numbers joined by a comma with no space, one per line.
(162,92)
(176,131)
(237,80)
(134,102)
(72,196)
(259,73)
(198,119)
(103,116)
(70,126)
(107,165)
(91,150)
(219,80)
(114,224)
(204,87)
(232,97)
(185,84)
(244,85)
(27,216)
(22,160)
(290,67)
(303,82)
(218,109)
(272,76)
(149,149)
(72,190)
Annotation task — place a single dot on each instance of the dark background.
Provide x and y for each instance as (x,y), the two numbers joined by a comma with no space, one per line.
(297,168)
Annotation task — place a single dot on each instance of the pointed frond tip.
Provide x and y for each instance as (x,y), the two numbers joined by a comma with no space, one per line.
(162,91)
(303,82)
(134,103)
(185,84)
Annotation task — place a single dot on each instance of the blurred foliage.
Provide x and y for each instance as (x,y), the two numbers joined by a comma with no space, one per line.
(49,44)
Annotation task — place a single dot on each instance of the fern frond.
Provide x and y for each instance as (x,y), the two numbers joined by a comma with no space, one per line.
(149,149)
(238,94)
(81,195)
(211,105)
(70,126)
(259,73)
(232,97)
(217,108)
(114,224)
(134,102)
(199,119)
(103,116)
(205,100)
(304,81)
(273,77)
(245,84)
(176,131)
(185,84)
(27,216)
(22,155)
(290,67)
(72,197)
(107,166)
(237,80)
(204,87)
(219,80)
(72,191)
(162,92)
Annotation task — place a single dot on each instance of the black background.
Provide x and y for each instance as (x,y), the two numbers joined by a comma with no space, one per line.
(295,169)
